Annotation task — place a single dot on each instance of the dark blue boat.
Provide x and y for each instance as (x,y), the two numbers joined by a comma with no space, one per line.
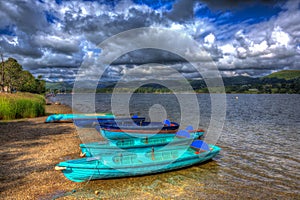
(85,123)
(123,130)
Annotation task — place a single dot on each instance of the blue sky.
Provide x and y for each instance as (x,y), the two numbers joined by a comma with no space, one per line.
(248,38)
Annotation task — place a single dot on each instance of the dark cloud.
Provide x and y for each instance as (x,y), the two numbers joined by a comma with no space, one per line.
(22,45)
(25,15)
(61,45)
(182,10)
(44,35)
(98,28)
(144,56)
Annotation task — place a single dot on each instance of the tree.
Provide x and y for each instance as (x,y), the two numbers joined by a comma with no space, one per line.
(15,78)
(12,74)
(40,85)
(28,83)
(2,74)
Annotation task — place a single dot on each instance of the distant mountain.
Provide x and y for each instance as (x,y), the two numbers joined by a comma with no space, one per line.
(285,74)
(239,80)
(286,81)
(59,86)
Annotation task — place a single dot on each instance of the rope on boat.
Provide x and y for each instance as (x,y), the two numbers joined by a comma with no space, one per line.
(58,168)
(82,154)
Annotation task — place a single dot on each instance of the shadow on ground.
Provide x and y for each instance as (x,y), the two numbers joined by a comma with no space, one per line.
(29,150)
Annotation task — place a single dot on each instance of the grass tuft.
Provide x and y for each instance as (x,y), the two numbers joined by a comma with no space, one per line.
(21,105)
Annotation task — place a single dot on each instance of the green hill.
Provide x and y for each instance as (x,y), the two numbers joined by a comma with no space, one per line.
(285,74)
(286,81)
(59,86)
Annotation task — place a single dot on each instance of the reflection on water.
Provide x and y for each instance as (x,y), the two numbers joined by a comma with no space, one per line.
(259,158)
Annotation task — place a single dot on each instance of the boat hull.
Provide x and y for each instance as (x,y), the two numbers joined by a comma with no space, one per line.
(117,134)
(104,168)
(142,126)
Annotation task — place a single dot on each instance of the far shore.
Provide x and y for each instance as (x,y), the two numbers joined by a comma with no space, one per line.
(29,151)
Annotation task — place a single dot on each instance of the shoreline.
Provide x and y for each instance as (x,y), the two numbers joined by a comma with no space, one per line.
(30,149)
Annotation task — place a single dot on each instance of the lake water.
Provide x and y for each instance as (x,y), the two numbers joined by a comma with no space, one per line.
(259,159)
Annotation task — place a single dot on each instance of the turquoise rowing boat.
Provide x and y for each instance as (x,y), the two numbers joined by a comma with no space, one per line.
(183,137)
(71,117)
(115,165)
(113,134)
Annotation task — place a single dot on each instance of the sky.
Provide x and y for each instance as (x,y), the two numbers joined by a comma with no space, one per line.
(243,38)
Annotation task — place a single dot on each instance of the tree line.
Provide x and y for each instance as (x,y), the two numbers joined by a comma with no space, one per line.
(14,78)
(232,85)
(267,86)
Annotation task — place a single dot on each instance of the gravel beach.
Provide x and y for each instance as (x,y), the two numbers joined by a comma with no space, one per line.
(29,150)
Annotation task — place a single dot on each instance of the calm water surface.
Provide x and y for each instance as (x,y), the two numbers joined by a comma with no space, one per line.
(259,159)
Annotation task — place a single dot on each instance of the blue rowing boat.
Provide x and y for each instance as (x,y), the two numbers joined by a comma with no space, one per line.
(91,123)
(115,165)
(182,137)
(71,117)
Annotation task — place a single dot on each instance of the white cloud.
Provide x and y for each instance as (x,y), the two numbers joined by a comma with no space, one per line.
(210,39)
(228,49)
(258,49)
(280,38)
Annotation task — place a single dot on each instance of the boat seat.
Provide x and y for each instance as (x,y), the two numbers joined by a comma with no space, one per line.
(154,140)
(126,159)
(125,143)
(164,155)
(174,154)
(167,155)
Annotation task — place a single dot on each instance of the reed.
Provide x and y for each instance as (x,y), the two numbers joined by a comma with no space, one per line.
(21,105)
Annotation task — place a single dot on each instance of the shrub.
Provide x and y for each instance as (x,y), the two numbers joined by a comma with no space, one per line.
(21,105)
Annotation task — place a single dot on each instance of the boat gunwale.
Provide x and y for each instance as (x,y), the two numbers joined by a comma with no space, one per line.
(179,140)
(149,131)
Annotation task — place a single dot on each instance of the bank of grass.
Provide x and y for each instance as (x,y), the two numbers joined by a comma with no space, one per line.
(21,105)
